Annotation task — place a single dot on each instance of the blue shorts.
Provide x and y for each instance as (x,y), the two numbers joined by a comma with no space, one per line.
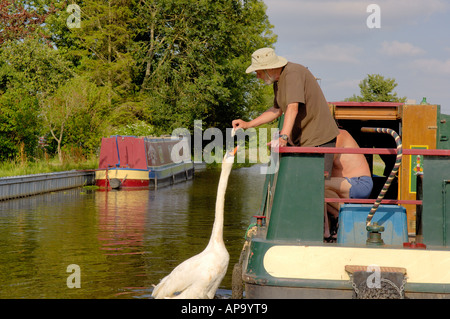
(361,186)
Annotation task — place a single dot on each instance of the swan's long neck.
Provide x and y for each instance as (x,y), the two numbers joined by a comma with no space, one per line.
(217,231)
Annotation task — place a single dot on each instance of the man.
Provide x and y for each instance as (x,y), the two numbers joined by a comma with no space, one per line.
(350,178)
(307,117)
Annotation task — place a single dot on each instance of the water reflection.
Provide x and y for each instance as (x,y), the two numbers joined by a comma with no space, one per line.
(121,221)
(123,241)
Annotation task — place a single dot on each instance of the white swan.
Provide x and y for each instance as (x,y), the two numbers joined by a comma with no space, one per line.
(200,276)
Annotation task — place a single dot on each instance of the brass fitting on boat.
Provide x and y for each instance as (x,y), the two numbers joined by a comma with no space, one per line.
(260,220)
(375,234)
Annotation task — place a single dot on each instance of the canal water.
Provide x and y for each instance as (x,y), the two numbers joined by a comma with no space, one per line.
(122,241)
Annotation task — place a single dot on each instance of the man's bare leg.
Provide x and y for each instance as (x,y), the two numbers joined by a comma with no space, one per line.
(336,187)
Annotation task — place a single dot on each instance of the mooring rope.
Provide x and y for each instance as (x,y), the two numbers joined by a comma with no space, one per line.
(393,172)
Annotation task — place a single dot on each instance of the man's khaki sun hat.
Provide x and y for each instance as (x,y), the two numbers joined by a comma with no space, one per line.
(265,58)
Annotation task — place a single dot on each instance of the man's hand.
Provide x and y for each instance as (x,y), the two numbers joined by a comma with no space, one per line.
(268,116)
(240,124)
(278,142)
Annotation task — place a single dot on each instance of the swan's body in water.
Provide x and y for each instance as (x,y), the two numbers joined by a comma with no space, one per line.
(200,276)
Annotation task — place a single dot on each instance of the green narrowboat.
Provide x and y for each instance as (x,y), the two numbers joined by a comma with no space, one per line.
(396,244)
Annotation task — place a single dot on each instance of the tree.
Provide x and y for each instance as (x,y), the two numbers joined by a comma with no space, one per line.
(19,124)
(158,64)
(18,20)
(168,62)
(32,65)
(102,47)
(376,88)
(192,58)
(95,58)
(29,70)
(75,110)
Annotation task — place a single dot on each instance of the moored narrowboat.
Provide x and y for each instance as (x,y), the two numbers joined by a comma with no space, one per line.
(131,162)
(395,244)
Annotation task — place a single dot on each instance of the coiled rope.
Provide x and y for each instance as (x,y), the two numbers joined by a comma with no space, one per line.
(394,171)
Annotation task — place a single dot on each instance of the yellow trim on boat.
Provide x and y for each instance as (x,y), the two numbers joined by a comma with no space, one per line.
(328,263)
(122,173)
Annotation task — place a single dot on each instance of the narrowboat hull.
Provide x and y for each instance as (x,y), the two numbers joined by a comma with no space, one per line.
(285,254)
(127,177)
(142,162)
(151,178)
(290,270)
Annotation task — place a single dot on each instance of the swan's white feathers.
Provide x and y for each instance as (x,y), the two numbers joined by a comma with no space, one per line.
(196,277)
(199,276)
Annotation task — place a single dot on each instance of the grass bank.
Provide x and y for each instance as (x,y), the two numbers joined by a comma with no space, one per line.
(16,168)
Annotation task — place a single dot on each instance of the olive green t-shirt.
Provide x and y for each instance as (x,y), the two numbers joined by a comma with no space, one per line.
(314,124)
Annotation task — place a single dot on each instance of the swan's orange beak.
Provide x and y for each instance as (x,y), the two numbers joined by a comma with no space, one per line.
(233,152)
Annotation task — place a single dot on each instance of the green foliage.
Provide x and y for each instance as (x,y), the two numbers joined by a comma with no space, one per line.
(33,66)
(192,59)
(75,114)
(14,168)
(376,88)
(106,40)
(139,128)
(135,67)
(29,70)
(20,124)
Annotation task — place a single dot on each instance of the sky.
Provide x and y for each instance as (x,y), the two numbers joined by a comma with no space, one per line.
(342,41)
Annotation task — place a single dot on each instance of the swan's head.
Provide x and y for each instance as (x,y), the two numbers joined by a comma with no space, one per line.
(229,156)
